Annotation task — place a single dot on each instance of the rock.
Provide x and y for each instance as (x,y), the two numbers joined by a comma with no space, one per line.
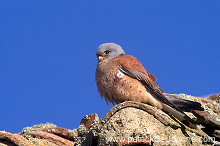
(128,123)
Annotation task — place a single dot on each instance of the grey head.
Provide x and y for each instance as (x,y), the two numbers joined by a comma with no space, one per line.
(109,51)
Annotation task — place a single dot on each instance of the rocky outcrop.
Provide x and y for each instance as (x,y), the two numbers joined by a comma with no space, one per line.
(128,123)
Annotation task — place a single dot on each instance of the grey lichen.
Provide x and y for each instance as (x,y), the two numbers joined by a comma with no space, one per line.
(95,126)
(86,136)
(37,127)
(82,132)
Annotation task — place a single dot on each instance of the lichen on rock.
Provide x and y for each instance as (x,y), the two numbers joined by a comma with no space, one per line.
(128,123)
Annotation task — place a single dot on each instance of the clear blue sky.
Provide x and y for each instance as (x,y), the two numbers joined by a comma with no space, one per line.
(48,61)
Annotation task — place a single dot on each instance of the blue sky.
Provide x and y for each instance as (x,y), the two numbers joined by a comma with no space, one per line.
(48,61)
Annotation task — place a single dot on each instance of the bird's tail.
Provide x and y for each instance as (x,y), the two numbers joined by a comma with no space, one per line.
(182,117)
(184,104)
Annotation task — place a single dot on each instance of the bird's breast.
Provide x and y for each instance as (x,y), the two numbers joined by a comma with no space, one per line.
(117,87)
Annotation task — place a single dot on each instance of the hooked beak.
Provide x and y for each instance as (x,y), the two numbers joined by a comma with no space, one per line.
(101,58)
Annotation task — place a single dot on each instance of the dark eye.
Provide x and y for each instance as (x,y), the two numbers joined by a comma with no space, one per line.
(107,52)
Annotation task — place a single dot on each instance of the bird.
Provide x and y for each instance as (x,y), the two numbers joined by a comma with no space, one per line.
(120,77)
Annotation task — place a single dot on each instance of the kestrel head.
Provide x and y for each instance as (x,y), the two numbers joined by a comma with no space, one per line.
(109,51)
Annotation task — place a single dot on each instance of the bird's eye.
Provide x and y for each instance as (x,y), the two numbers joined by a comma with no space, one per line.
(107,52)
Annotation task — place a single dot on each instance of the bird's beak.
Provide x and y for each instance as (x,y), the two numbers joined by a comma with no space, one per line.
(101,58)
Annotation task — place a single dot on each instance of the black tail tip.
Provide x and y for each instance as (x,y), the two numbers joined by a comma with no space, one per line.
(193,125)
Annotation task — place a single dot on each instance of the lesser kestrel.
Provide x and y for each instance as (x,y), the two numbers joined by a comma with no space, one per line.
(121,77)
